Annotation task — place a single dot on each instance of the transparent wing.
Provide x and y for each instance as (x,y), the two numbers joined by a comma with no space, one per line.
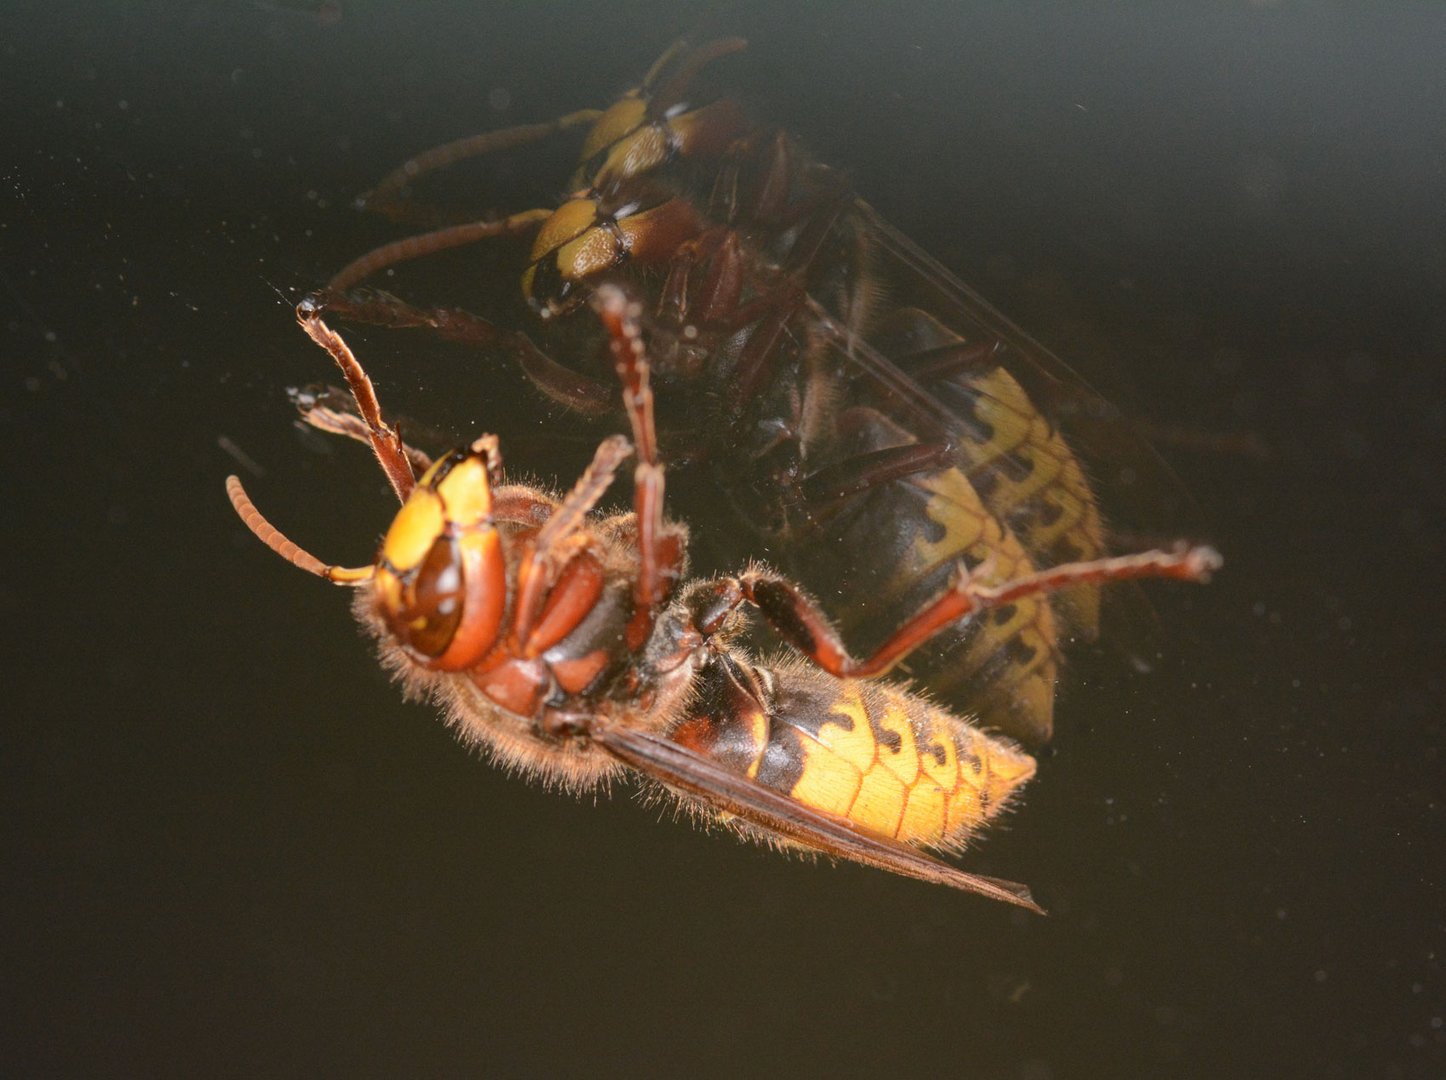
(694,776)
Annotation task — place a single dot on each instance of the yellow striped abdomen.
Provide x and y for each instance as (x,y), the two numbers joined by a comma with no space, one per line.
(871,752)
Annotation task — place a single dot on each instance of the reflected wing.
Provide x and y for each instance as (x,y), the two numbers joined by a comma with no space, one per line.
(1141,492)
(689,774)
(1028,459)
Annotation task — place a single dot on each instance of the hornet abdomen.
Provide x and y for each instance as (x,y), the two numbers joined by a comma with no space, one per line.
(881,757)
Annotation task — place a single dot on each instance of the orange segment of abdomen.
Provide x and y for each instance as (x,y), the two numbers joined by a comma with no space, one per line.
(897,766)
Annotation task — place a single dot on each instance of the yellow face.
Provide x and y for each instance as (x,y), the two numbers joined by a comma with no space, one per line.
(621,119)
(440,582)
(570,246)
(583,240)
(637,153)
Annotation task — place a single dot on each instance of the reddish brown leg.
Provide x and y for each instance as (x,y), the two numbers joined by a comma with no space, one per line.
(660,549)
(675,301)
(800,622)
(385,441)
(561,537)
(713,261)
(834,484)
(561,384)
(325,413)
(774,309)
(723,287)
(657,565)
(377,308)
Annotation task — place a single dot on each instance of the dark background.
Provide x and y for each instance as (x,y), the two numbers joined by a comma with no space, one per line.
(230,849)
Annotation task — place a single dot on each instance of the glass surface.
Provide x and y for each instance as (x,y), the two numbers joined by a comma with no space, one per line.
(232,849)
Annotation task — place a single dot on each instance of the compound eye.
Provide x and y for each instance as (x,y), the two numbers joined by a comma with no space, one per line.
(542,284)
(428,620)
